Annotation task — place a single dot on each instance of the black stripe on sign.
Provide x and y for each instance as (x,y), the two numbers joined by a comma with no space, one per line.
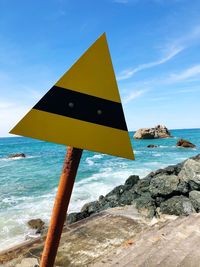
(83,107)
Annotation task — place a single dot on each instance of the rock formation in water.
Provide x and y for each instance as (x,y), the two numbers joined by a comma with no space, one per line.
(18,155)
(185,143)
(159,131)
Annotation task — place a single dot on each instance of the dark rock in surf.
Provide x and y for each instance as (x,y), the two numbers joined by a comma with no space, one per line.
(18,155)
(185,143)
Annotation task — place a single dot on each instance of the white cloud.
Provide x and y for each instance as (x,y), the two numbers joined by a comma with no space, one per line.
(173,48)
(192,72)
(134,94)
(189,38)
(5,105)
(126,74)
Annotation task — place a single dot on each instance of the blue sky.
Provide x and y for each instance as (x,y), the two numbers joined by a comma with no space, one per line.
(154,46)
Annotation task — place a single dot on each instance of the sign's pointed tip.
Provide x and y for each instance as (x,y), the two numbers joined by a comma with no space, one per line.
(132,157)
(103,35)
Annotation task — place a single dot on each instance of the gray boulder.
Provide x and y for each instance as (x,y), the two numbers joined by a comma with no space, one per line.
(142,186)
(91,207)
(190,173)
(172,169)
(177,205)
(76,216)
(194,197)
(115,194)
(146,205)
(163,185)
(127,198)
(121,195)
(131,181)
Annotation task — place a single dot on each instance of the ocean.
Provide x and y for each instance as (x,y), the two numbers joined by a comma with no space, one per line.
(28,185)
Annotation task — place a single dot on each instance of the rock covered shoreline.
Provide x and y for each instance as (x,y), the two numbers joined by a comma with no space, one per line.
(174,190)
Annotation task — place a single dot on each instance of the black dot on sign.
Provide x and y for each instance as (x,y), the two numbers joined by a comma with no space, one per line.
(99,111)
(71,104)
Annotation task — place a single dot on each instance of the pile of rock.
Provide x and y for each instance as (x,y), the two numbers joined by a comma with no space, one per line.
(159,131)
(174,190)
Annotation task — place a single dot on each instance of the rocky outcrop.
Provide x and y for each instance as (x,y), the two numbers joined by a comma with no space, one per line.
(173,190)
(18,155)
(185,143)
(159,131)
(177,205)
(195,199)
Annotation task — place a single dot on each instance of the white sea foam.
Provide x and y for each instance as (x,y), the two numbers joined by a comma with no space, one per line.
(13,221)
(156,154)
(98,156)
(18,158)
(91,160)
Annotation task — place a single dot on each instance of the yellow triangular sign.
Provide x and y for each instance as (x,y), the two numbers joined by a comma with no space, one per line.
(83,109)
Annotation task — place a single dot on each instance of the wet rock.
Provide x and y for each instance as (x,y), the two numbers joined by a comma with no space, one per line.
(159,131)
(76,216)
(36,224)
(142,186)
(185,143)
(101,198)
(152,146)
(18,155)
(167,189)
(131,181)
(173,169)
(91,207)
(190,173)
(194,197)
(127,198)
(146,205)
(163,185)
(159,200)
(177,205)
(115,193)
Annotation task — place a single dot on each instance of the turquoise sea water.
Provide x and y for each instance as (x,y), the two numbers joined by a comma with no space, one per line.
(28,185)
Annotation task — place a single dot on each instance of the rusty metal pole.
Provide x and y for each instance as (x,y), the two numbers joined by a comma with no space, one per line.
(58,217)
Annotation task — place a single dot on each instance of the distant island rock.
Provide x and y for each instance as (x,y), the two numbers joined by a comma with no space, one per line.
(159,131)
(185,143)
(18,155)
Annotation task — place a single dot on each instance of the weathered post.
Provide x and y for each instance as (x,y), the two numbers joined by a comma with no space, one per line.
(70,167)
